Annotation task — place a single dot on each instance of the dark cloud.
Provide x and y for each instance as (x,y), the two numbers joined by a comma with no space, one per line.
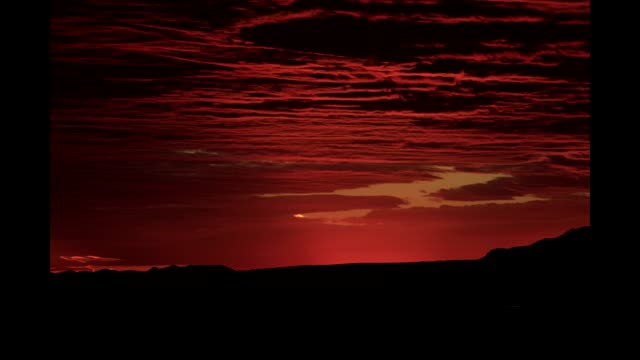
(405,40)
(498,189)
(569,68)
(452,8)
(431,145)
(509,125)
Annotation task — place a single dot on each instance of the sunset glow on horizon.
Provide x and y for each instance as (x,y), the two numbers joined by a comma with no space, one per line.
(257,134)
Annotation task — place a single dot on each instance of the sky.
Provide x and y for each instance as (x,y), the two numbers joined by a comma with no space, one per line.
(254,133)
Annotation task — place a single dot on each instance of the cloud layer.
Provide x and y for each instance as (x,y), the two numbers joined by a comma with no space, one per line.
(168,118)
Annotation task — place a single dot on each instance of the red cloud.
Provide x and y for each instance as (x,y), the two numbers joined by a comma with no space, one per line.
(89,259)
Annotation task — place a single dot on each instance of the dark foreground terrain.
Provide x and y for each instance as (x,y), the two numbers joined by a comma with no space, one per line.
(547,279)
(515,274)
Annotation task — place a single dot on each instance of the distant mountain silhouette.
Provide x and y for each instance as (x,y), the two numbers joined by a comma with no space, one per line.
(547,270)
(545,284)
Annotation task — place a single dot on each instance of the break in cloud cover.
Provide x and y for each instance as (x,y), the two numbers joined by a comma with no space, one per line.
(270,133)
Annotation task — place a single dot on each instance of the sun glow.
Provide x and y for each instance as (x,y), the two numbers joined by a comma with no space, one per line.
(298,216)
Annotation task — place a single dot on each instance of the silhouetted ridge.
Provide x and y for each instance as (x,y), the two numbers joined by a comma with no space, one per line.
(549,271)
(574,245)
(192,269)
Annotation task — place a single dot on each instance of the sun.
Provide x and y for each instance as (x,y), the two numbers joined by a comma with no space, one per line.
(298,216)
